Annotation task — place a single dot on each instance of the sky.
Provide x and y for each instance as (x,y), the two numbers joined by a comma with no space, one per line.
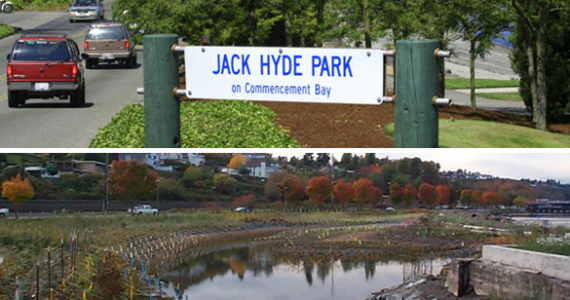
(540,164)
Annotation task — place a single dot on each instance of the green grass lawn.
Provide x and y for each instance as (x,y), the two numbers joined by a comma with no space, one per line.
(465,83)
(5,30)
(46,5)
(501,96)
(483,134)
(212,124)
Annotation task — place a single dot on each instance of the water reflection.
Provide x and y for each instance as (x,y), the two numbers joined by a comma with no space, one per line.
(245,273)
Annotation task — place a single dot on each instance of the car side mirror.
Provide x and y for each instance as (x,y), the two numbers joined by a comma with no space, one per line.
(8,57)
(84,56)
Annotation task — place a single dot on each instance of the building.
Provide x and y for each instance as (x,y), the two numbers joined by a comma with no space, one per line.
(165,162)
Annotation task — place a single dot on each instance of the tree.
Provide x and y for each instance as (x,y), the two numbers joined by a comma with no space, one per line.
(131,181)
(539,47)
(225,183)
(427,194)
(396,193)
(322,160)
(291,189)
(443,194)
(430,172)
(479,22)
(343,192)
(17,190)
(345,160)
(491,197)
(409,194)
(319,189)
(237,161)
(521,201)
(272,190)
(365,191)
(535,20)
(465,197)
(191,176)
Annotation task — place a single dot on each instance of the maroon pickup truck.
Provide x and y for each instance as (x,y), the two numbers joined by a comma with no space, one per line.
(45,67)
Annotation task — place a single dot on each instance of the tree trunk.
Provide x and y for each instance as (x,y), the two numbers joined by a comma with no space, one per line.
(472,74)
(252,22)
(541,70)
(320,18)
(287,24)
(366,19)
(531,73)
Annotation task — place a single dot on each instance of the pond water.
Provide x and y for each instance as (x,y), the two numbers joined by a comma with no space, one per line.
(246,274)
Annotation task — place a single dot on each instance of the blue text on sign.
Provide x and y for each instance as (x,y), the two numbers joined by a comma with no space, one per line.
(227,65)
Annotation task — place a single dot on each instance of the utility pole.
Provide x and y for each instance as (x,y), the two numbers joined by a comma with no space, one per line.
(106,201)
(158,193)
(332,179)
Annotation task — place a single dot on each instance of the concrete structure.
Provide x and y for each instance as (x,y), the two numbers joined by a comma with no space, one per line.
(501,281)
(508,273)
(557,266)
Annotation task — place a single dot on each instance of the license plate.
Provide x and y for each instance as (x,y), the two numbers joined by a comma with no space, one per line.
(41,86)
(107,56)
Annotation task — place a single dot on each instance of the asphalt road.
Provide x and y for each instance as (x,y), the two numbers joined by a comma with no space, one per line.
(53,123)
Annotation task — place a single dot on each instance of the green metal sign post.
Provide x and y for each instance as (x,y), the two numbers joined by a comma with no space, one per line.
(161,107)
(416,117)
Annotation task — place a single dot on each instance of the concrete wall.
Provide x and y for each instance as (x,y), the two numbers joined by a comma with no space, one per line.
(557,266)
(507,282)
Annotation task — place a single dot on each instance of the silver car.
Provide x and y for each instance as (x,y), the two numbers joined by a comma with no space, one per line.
(90,10)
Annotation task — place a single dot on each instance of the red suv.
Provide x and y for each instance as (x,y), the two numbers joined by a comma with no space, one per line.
(45,67)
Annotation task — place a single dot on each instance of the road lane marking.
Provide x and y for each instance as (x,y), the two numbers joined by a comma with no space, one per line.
(3,97)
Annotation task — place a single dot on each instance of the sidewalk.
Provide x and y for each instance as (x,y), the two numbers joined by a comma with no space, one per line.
(462,98)
(490,90)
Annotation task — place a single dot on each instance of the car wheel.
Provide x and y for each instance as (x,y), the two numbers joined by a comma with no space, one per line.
(82,101)
(14,99)
(77,95)
(90,63)
(129,63)
(71,21)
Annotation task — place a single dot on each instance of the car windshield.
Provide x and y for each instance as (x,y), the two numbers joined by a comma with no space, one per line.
(41,50)
(106,33)
(84,3)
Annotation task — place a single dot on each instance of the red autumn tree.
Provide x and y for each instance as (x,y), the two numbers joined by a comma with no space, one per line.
(477,197)
(319,189)
(365,191)
(443,194)
(396,193)
(427,194)
(17,190)
(491,197)
(343,192)
(409,194)
(131,181)
(291,188)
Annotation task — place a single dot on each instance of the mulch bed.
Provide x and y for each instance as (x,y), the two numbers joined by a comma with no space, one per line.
(317,125)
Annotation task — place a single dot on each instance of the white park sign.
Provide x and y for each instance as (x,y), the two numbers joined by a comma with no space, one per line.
(353,76)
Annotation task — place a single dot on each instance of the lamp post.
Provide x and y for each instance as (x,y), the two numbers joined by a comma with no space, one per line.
(157,193)
(285,188)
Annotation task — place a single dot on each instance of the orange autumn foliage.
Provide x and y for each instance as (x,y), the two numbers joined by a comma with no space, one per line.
(17,190)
